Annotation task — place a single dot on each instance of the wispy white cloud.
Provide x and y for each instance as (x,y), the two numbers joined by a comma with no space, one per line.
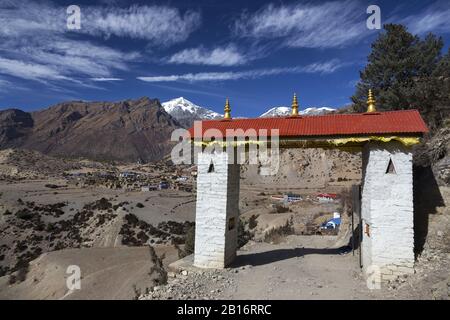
(228,55)
(322,67)
(319,67)
(435,18)
(326,25)
(29,70)
(35,43)
(158,24)
(57,58)
(4,84)
(106,79)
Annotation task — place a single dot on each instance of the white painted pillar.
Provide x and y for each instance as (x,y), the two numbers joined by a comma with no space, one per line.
(217,211)
(387,210)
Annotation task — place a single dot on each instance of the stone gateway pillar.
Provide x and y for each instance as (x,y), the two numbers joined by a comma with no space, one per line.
(217,210)
(387,209)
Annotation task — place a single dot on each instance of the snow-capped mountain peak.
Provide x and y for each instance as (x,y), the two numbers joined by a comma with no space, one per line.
(316,111)
(286,111)
(276,112)
(181,103)
(187,112)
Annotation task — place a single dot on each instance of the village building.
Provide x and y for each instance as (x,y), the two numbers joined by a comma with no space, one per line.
(326,197)
(148,188)
(332,223)
(163,185)
(128,174)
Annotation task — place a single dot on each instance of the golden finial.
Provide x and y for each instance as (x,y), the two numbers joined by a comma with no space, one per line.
(371,102)
(294,106)
(227,110)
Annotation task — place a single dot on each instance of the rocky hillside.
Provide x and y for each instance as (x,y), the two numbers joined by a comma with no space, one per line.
(130,130)
(309,168)
(15,125)
(19,164)
(435,153)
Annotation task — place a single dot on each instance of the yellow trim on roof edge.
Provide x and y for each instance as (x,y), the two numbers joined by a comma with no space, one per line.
(406,141)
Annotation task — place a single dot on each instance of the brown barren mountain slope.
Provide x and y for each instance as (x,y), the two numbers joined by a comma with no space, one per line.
(129,130)
(15,125)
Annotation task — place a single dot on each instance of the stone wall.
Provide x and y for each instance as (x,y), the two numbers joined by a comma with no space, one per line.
(387,209)
(217,211)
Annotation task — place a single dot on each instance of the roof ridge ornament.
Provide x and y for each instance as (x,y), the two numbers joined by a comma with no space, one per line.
(227,110)
(371,102)
(294,112)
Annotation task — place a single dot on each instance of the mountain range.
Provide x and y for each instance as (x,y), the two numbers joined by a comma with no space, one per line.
(129,130)
(285,111)
(187,112)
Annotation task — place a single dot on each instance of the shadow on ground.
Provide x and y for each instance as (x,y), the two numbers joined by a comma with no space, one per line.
(262,258)
(427,198)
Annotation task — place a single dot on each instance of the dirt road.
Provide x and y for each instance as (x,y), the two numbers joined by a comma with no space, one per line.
(303,267)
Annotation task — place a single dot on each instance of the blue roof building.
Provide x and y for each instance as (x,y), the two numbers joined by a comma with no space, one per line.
(331,224)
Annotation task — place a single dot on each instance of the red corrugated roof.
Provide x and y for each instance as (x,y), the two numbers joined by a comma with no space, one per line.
(392,122)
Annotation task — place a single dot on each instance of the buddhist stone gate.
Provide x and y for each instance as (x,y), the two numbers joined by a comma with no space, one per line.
(385,139)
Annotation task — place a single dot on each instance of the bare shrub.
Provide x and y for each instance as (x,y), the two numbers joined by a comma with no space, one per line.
(190,241)
(276,235)
(252,223)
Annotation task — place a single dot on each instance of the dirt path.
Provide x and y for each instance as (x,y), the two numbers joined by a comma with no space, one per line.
(304,267)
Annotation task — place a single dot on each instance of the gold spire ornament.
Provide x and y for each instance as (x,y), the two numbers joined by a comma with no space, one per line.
(371,102)
(294,112)
(227,110)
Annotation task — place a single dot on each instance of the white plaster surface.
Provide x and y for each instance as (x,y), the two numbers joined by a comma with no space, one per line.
(387,207)
(217,202)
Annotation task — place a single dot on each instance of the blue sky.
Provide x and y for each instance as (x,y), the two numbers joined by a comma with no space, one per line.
(256,53)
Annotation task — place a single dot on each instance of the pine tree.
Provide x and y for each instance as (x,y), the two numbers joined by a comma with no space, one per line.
(441,92)
(406,72)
